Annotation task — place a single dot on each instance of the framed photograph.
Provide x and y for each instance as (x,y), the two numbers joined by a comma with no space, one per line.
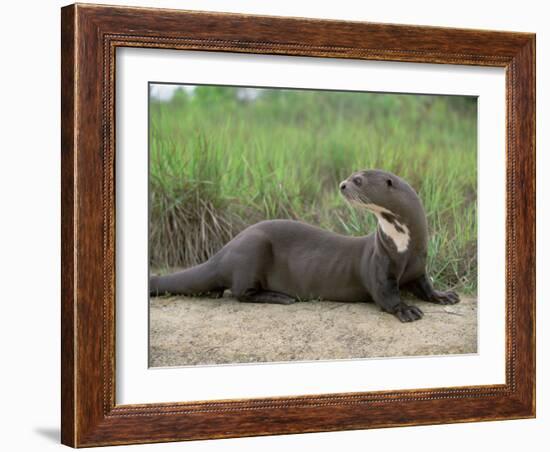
(281,225)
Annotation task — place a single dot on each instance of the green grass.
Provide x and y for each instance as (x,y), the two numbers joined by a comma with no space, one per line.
(218,164)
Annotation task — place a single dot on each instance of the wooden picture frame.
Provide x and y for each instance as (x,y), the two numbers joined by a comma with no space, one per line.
(90,35)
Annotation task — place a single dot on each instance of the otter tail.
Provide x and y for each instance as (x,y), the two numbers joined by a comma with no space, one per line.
(193,281)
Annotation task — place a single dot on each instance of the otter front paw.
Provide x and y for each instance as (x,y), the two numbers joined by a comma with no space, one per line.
(448,297)
(407,313)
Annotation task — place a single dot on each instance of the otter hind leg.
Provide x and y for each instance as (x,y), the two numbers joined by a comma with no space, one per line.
(247,261)
(424,290)
(264,296)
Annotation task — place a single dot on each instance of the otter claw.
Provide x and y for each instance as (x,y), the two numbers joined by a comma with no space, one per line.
(407,313)
(448,297)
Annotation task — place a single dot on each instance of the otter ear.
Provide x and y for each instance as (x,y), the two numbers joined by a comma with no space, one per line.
(389,182)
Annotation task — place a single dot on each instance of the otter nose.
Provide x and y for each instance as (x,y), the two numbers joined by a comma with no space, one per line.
(343,185)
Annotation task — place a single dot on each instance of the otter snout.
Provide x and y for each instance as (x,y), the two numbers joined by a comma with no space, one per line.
(357,181)
(349,190)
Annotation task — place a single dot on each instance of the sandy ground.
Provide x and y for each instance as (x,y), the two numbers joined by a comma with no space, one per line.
(191,331)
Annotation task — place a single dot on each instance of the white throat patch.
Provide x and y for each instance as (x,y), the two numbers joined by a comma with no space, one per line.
(399,233)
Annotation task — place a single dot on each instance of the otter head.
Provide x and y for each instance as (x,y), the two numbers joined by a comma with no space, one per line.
(391,199)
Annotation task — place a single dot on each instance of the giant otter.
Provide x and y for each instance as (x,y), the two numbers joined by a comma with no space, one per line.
(280,261)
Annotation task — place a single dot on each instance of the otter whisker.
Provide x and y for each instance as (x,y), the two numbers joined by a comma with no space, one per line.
(358,199)
(364,199)
(355,199)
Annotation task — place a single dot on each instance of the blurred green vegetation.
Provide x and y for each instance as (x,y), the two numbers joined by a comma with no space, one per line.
(222,158)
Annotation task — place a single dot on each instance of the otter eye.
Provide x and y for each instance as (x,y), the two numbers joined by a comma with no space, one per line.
(357,181)
(389,182)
